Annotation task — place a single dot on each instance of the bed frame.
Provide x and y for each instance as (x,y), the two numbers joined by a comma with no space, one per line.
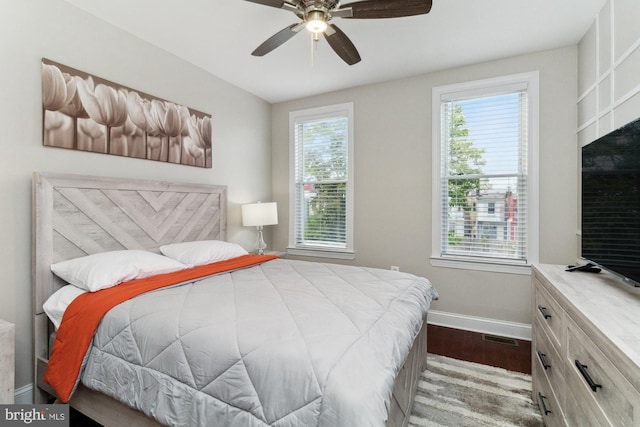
(76,215)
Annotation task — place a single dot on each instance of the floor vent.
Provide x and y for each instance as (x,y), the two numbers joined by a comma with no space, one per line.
(500,340)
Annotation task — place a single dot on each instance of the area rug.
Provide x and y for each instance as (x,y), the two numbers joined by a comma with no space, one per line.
(457,393)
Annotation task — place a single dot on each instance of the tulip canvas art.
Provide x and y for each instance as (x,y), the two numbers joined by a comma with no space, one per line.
(85,112)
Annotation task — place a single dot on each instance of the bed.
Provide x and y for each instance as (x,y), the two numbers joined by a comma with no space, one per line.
(347,348)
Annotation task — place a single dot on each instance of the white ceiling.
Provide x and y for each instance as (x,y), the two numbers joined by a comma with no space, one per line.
(219,36)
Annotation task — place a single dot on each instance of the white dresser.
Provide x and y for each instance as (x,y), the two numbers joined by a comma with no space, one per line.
(585,348)
(7,362)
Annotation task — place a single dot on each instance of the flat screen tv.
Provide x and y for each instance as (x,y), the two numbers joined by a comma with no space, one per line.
(611,202)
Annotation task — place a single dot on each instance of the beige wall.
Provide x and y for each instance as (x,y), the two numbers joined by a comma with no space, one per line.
(609,71)
(393,179)
(33,29)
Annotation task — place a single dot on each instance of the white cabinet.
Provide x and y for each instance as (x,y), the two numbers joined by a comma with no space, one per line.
(7,362)
(585,349)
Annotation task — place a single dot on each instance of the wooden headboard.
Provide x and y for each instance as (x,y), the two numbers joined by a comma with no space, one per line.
(76,215)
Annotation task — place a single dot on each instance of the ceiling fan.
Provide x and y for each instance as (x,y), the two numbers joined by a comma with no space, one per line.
(316,14)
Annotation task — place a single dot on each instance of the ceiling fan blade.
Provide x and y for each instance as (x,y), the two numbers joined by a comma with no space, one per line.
(341,45)
(280,4)
(277,39)
(374,9)
(345,12)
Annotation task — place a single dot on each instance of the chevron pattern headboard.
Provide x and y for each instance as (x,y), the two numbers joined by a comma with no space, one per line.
(79,215)
(76,215)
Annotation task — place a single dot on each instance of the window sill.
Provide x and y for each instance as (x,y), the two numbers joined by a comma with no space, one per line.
(322,253)
(481,265)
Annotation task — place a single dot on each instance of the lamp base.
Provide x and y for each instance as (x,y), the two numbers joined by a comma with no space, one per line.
(260,244)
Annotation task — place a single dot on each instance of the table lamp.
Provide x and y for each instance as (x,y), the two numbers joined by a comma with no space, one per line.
(259,215)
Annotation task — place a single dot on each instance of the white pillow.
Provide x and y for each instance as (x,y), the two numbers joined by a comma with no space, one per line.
(203,251)
(57,303)
(106,269)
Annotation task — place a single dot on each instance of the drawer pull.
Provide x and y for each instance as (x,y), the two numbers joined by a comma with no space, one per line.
(543,360)
(546,410)
(544,311)
(583,370)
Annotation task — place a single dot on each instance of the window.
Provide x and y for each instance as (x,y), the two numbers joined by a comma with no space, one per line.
(321,176)
(485,180)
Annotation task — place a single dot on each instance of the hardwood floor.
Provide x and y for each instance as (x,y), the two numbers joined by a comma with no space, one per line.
(507,353)
(514,355)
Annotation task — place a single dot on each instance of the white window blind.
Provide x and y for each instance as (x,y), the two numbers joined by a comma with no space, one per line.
(484,137)
(321,180)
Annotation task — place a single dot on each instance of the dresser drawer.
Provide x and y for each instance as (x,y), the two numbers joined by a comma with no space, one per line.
(548,359)
(578,413)
(550,314)
(545,398)
(597,384)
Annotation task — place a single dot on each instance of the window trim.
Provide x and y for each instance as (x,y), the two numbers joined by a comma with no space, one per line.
(480,87)
(323,251)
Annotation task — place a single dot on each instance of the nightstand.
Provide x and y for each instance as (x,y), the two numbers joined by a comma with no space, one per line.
(277,253)
(7,362)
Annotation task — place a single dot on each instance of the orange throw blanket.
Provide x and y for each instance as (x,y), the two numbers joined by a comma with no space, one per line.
(83,315)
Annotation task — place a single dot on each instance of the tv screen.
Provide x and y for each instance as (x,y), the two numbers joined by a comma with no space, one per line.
(611,202)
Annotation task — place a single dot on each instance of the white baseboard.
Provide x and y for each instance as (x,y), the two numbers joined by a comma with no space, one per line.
(23,395)
(484,325)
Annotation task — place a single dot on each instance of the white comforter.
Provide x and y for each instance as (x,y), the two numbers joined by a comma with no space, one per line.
(284,343)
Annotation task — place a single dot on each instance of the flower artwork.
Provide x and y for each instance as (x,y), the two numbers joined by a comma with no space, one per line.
(84,112)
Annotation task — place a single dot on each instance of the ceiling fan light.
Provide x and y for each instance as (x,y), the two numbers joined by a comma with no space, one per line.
(316,22)
(316,26)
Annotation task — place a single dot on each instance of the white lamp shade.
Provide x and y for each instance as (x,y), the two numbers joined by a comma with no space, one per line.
(256,214)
